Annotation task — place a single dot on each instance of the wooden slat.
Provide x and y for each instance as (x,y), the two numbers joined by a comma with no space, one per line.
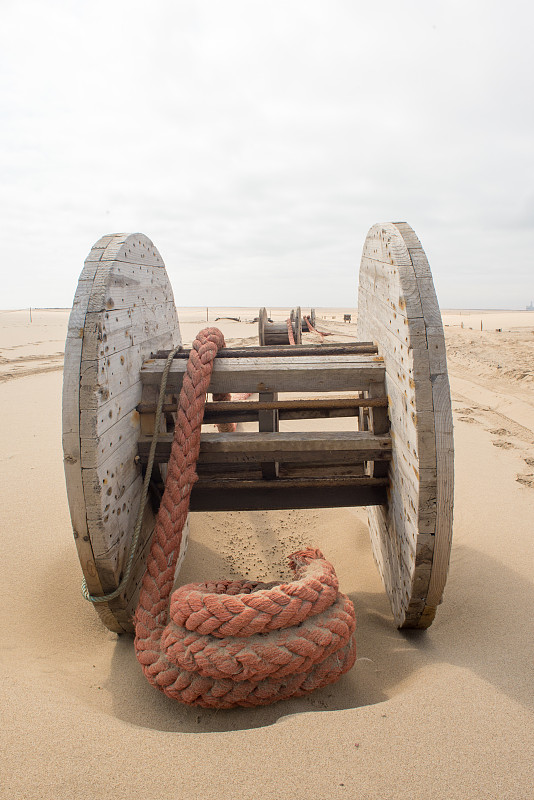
(249,411)
(366,348)
(381,281)
(112,331)
(284,374)
(71,430)
(229,406)
(378,424)
(445,489)
(288,447)
(253,470)
(397,307)
(291,483)
(250,416)
(133,285)
(268,421)
(240,495)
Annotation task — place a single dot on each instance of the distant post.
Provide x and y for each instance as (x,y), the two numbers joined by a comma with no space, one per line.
(30,313)
(207,315)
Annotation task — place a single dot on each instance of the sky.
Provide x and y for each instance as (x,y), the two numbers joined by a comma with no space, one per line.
(257,141)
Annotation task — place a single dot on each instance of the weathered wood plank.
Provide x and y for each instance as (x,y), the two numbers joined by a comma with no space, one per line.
(381,280)
(268,421)
(420,263)
(409,236)
(96,451)
(119,285)
(251,416)
(133,248)
(112,331)
(71,462)
(245,411)
(408,367)
(285,374)
(378,424)
(445,489)
(397,328)
(96,421)
(106,482)
(252,470)
(287,494)
(229,406)
(104,378)
(104,353)
(242,447)
(437,355)
(364,348)
(384,244)
(398,309)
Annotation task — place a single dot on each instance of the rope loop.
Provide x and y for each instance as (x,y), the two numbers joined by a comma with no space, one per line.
(232,643)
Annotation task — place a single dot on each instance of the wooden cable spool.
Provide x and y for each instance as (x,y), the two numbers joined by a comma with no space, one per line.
(276,333)
(398,463)
(303,317)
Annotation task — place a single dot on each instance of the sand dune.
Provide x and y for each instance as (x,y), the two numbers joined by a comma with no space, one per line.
(445,713)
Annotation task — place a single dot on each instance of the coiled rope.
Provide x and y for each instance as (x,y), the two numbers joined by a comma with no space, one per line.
(232,643)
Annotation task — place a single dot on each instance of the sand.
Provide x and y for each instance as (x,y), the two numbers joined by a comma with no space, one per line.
(445,713)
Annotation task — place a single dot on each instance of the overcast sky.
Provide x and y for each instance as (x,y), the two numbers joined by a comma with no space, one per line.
(257,142)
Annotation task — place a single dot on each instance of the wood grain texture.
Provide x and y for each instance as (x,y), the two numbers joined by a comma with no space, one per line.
(269,421)
(278,374)
(398,309)
(123,311)
(339,447)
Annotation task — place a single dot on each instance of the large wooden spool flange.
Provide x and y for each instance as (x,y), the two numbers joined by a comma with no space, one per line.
(398,309)
(303,317)
(123,310)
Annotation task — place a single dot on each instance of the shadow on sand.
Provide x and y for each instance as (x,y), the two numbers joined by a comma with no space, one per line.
(474,629)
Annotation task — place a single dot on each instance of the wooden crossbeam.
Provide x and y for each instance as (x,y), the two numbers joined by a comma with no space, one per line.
(281,350)
(217,409)
(250,410)
(339,447)
(278,373)
(240,495)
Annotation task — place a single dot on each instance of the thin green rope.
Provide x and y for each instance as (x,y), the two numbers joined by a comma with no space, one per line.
(105,598)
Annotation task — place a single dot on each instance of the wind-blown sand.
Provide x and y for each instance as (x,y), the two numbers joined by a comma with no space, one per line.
(445,713)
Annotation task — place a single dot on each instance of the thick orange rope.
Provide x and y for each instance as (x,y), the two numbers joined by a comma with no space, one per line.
(233,643)
(311,329)
(290,331)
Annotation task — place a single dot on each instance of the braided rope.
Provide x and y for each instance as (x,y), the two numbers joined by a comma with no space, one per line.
(197,608)
(314,330)
(232,643)
(290,332)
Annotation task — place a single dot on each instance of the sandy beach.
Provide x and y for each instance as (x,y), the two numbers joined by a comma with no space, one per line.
(445,713)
